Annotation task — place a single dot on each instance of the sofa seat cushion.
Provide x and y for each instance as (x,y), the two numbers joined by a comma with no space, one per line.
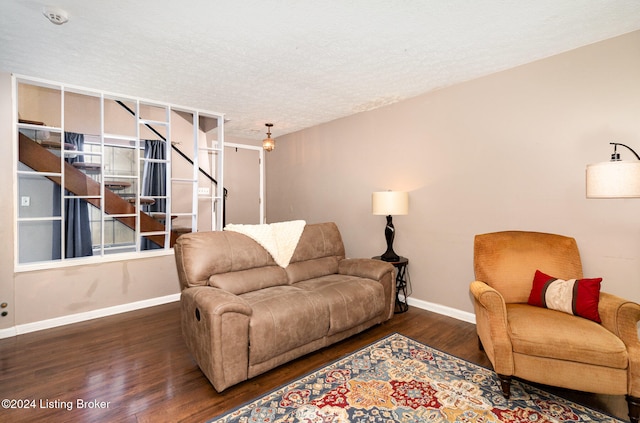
(553,334)
(284,318)
(351,300)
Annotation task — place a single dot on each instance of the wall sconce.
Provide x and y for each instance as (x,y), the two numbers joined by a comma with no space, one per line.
(268,143)
(615,178)
(388,203)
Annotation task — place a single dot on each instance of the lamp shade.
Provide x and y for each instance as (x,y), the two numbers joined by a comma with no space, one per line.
(615,179)
(388,203)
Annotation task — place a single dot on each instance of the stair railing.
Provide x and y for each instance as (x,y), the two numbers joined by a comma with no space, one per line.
(187,158)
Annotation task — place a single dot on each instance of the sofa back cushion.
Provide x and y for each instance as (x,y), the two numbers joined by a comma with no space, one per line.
(318,252)
(226,260)
(248,280)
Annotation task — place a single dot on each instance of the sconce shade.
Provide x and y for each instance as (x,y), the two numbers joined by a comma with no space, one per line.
(390,203)
(615,179)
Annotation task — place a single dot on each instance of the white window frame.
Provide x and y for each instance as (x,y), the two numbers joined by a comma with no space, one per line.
(213,148)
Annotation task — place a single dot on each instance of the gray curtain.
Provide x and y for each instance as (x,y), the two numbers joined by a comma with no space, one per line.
(77,226)
(154,181)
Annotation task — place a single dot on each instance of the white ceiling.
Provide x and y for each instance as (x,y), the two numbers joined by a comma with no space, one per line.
(295,63)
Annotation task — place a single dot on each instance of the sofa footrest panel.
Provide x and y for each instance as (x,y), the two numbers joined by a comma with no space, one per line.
(284,318)
(351,300)
(258,368)
(209,316)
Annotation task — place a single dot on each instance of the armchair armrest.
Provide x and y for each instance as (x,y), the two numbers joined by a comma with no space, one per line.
(492,326)
(209,316)
(621,317)
(377,270)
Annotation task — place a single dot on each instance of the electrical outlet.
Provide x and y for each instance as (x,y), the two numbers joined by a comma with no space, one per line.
(203,191)
(25,201)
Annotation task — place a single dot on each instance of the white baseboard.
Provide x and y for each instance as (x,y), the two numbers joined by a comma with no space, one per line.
(88,315)
(8,333)
(440,309)
(109,311)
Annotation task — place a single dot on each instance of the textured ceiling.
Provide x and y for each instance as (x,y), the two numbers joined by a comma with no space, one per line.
(292,62)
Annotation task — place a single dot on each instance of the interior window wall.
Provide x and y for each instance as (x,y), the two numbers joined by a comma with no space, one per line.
(141,172)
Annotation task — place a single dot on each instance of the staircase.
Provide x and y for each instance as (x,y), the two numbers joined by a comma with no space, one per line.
(40,159)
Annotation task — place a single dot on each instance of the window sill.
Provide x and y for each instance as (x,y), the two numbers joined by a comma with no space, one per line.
(93,260)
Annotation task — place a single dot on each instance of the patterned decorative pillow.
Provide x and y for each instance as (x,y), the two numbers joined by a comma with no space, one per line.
(579,297)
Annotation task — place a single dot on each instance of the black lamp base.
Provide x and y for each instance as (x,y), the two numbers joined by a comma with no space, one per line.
(389,234)
(390,256)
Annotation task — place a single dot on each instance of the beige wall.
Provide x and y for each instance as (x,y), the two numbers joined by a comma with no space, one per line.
(507,151)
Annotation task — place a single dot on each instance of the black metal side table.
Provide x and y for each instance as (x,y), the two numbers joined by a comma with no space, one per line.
(403,284)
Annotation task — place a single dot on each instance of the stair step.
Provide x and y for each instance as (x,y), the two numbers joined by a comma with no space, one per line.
(145,201)
(181,230)
(87,167)
(117,185)
(31,122)
(160,215)
(55,145)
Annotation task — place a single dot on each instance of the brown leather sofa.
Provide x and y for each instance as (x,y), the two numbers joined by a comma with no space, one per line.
(242,314)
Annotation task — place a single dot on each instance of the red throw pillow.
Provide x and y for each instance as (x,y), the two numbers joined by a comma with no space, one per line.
(579,297)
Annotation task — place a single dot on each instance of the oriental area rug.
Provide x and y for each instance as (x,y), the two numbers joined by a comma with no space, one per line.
(398,379)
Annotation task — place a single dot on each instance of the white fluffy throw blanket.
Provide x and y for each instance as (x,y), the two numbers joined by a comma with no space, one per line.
(279,239)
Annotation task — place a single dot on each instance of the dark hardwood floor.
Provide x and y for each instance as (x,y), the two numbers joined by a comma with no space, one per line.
(137,367)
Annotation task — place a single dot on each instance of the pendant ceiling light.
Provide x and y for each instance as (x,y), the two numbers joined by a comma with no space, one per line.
(268,143)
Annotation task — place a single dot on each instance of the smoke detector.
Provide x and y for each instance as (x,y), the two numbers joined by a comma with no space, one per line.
(55,15)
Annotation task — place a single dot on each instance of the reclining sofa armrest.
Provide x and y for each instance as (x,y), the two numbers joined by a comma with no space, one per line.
(215,326)
(376,270)
(492,326)
(364,268)
(621,317)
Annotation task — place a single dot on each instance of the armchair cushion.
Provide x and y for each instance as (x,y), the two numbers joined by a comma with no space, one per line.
(579,297)
(552,334)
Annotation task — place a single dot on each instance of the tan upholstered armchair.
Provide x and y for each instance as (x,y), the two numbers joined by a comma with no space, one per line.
(546,346)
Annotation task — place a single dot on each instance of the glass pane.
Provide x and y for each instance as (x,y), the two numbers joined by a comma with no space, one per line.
(182,225)
(152,242)
(181,197)
(117,234)
(119,117)
(45,137)
(90,162)
(37,197)
(120,159)
(209,125)
(81,113)
(153,112)
(205,215)
(95,219)
(36,241)
(40,150)
(152,131)
(120,194)
(39,105)
(182,140)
